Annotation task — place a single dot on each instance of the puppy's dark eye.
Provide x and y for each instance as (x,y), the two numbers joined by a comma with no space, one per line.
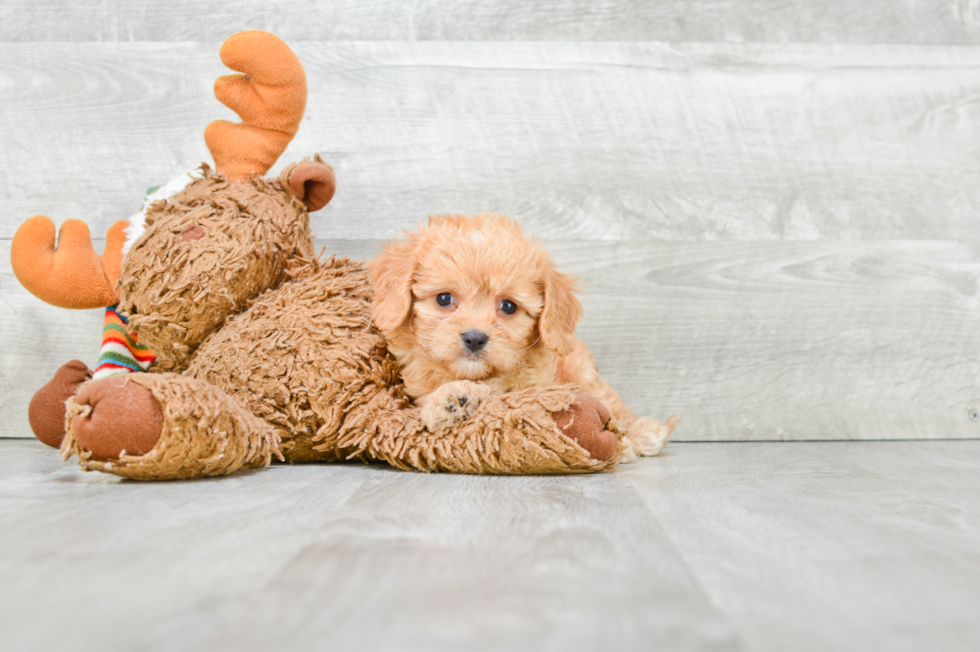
(508,307)
(445,299)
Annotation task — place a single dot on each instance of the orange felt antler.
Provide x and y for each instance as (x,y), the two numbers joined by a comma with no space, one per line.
(269,98)
(73,275)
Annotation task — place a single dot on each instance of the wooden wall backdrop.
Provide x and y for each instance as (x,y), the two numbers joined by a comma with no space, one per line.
(773,205)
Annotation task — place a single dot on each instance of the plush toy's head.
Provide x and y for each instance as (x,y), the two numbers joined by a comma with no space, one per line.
(222,240)
(204,253)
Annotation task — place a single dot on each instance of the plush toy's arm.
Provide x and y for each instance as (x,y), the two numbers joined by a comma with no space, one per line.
(555,430)
(71,275)
(165,426)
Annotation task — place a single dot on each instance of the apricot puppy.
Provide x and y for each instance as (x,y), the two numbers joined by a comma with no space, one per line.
(469,307)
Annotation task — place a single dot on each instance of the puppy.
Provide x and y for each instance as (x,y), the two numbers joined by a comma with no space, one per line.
(469,306)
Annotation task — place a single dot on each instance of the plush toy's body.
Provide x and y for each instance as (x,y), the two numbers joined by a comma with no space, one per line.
(302,372)
(261,350)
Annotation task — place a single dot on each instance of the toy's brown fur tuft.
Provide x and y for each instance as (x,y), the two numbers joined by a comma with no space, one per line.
(205,433)
(178,290)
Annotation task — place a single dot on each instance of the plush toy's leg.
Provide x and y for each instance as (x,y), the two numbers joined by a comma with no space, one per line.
(163,427)
(515,433)
(46,412)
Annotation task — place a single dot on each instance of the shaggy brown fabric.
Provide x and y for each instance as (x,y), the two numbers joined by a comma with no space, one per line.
(204,433)
(304,372)
(176,290)
(306,358)
(511,433)
(46,412)
(302,356)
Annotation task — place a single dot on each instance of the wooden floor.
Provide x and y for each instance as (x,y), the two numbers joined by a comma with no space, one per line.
(715,546)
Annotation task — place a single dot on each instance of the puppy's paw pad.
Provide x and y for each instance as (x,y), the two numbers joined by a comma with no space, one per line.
(453,403)
(647,436)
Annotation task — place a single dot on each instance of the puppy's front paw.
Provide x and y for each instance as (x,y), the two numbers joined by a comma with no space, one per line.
(453,403)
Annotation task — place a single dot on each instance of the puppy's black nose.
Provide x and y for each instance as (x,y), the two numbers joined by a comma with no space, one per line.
(475,340)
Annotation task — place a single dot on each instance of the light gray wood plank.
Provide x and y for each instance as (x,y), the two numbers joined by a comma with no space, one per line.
(358,557)
(803,546)
(600,141)
(818,546)
(793,340)
(744,341)
(873,21)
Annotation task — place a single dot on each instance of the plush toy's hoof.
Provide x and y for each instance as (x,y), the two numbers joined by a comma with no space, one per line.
(117,415)
(585,422)
(46,412)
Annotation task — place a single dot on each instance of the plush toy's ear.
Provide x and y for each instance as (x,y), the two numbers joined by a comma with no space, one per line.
(392,273)
(73,275)
(313,182)
(561,312)
(269,98)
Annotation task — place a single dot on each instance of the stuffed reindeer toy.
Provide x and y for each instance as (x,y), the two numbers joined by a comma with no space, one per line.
(227,343)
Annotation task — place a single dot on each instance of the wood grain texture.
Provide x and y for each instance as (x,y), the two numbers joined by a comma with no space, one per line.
(349,556)
(803,341)
(858,546)
(819,546)
(597,141)
(744,341)
(828,21)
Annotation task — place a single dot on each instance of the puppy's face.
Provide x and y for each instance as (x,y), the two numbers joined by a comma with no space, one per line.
(472,296)
(475,302)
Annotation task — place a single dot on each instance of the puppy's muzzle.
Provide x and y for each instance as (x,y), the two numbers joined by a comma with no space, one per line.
(475,341)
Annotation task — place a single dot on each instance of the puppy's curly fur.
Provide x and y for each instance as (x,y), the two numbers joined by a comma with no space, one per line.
(470,306)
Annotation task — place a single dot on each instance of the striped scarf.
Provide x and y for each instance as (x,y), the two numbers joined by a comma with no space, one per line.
(121,351)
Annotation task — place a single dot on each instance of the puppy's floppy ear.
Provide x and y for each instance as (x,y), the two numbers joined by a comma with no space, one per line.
(391,273)
(560,313)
